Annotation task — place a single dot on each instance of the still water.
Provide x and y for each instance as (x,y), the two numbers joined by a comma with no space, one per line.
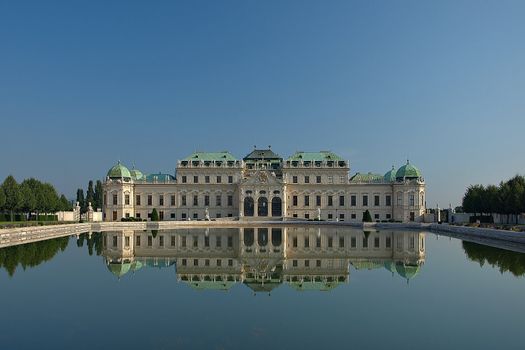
(261,288)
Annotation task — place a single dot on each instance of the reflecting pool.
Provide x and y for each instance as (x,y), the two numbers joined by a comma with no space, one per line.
(259,288)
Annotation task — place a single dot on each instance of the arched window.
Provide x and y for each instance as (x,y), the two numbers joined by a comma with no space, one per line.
(262,206)
(248,206)
(262,237)
(248,237)
(277,237)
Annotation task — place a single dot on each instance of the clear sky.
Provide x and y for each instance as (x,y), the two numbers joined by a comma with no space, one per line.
(84,84)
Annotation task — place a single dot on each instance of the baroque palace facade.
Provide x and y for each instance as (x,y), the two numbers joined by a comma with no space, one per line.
(307,185)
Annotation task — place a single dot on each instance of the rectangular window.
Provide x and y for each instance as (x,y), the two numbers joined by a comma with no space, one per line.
(353,242)
(114,241)
(411,200)
(365,242)
(195,262)
(195,215)
(307,263)
(330,201)
(353,216)
(172,200)
(330,179)
(318,263)
(307,216)
(195,200)
(230,262)
(295,242)
(218,241)
(376,201)
(137,199)
(330,242)
(161,215)
(353,200)
(195,241)
(161,200)
(219,179)
(183,241)
(388,216)
(161,241)
(183,216)
(137,215)
(184,262)
(306,201)
(206,241)
(150,199)
(230,201)
(230,179)
(150,241)
(172,216)
(341,201)
(388,242)
(400,199)
(376,216)
(318,201)
(318,242)
(307,179)
(195,179)
(330,216)
(307,242)
(183,200)
(230,242)
(365,200)
(219,262)
(294,263)
(218,200)
(206,200)
(184,179)
(173,238)
(341,242)
(114,199)
(126,199)
(342,179)
(376,242)
(137,241)
(294,179)
(388,200)
(207,179)
(318,179)
(294,201)
(206,262)
(342,217)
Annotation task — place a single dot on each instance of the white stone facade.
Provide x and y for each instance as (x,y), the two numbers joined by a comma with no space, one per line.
(257,188)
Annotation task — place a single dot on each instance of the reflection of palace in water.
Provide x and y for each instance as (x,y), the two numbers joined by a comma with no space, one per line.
(305,258)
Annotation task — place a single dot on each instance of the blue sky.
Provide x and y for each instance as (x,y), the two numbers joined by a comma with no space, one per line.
(83,84)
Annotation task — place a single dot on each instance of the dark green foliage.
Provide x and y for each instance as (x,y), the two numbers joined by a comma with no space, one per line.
(80,199)
(13,198)
(2,199)
(90,195)
(154,215)
(505,260)
(64,204)
(366,216)
(130,219)
(508,198)
(31,254)
(98,195)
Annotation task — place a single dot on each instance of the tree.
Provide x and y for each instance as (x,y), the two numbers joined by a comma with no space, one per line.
(90,195)
(472,200)
(2,199)
(154,215)
(366,216)
(28,191)
(80,198)
(64,204)
(98,195)
(51,199)
(13,199)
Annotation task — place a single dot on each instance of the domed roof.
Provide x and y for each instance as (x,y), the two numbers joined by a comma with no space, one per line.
(119,171)
(407,271)
(408,171)
(119,269)
(136,174)
(391,175)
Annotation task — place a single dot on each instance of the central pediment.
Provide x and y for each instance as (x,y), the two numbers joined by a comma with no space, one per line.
(261,177)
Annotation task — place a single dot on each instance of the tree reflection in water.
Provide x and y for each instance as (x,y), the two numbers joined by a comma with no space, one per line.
(505,260)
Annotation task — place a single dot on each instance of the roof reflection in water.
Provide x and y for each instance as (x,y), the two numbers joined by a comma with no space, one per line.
(264,258)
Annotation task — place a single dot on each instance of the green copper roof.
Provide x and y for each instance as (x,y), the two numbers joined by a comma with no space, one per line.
(407,271)
(119,269)
(391,175)
(159,177)
(408,171)
(314,156)
(390,266)
(119,171)
(313,286)
(136,174)
(368,178)
(210,156)
(211,285)
(259,154)
(366,265)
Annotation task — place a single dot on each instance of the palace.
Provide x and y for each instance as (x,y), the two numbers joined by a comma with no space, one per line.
(263,258)
(264,186)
